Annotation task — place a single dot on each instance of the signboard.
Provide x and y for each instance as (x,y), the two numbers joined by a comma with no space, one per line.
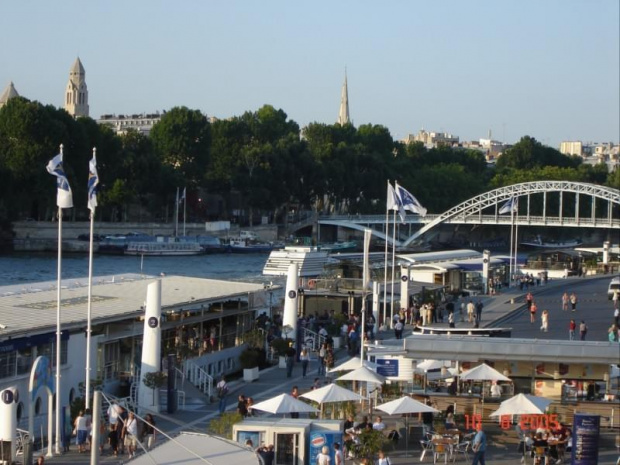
(324,438)
(254,436)
(586,432)
(387,367)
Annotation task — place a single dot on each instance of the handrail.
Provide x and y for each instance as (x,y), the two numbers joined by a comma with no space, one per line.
(312,340)
(199,378)
(179,372)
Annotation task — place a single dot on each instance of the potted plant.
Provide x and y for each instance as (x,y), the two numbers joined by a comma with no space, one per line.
(250,359)
(155,380)
(371,442)
(279,345)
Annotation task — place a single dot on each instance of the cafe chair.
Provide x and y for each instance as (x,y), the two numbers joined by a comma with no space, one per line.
(461,448)
(439,450)
(540,455)
(427,446)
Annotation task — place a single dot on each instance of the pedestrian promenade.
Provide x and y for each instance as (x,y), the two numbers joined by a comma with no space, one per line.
(498,310)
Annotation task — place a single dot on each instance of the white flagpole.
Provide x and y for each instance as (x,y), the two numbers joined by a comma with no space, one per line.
(58,328)
(365,279)
(512,227)
(90,299)
(516,267)
(184,208)
(392,278)
(385,262)
(176,214)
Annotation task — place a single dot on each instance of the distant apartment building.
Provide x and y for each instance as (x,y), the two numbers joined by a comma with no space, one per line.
(572,148)
(491,149)
(122,123)
(432,139)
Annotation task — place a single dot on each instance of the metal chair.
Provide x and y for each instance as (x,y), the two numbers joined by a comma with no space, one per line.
(427,446)
(540,455)
(461,448)
(439,450)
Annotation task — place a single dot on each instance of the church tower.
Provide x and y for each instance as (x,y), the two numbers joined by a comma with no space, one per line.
(76,95)
(343,114)
(9,93)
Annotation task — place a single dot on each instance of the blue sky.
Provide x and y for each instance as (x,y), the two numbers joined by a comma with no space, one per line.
(549,69)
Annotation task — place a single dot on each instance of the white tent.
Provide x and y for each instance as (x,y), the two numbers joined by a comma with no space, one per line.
(352,364)
(331,393)
(522,404)
(483,373)
(429,364)
(284,403)
(363,374)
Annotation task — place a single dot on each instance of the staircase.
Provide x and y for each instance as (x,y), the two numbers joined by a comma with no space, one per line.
(311,339)
(199,378)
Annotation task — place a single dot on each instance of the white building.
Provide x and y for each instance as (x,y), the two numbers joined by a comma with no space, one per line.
(122,123)
(571,148)
(432,139)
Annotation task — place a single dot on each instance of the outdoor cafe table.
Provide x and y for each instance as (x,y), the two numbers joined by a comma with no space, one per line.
(447,441)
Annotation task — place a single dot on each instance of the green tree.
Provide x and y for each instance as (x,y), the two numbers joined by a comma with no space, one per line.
(528,153)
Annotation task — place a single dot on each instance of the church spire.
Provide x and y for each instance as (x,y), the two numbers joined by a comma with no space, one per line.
(76,95)
(343,114)
(9,93)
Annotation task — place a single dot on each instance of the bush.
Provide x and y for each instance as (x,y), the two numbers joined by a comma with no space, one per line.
(280,345)
(250,358)
(222,426)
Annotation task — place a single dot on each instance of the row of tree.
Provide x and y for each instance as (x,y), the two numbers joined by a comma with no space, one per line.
(262,157)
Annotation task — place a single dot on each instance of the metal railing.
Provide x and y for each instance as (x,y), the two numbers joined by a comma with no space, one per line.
(196,375)
(312,340)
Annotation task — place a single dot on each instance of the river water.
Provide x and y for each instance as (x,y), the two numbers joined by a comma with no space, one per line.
(28,268)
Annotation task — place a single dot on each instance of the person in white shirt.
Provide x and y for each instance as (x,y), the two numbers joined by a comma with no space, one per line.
(378,424)
(496,390)
(338,457)
(383,459)
(131,434)
(323,458)
(113,412)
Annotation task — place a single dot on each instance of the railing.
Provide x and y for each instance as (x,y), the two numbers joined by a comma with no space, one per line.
(199,378)
(23,437)
(312,340)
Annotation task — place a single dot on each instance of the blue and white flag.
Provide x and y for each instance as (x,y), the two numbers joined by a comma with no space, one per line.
(183,195)
(93,180)
(64,197)
(394,203)
(408,201)
(511,206)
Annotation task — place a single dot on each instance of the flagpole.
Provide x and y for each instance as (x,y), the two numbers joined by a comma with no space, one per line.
(512,227)
(90,300)
(385,262)
(184,208)
(516,267)
(58,327)
(392,277)
(365,279)
(176,215)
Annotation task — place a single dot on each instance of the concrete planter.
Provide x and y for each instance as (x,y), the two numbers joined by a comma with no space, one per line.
(250,374)
(337,342)
(281,362)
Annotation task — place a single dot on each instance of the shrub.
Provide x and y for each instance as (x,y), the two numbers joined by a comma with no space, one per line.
(222,426)
(250,358)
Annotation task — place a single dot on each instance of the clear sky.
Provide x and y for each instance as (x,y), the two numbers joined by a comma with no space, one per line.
(545,68)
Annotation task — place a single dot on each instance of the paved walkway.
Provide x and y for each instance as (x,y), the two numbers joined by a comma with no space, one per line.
(273,381)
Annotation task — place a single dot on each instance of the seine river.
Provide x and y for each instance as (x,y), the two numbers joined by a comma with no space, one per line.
(28,268)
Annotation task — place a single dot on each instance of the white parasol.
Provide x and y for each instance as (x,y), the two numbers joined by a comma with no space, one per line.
(284,403)
(332,393)
(363,374)
(483,373)
(522,404)
(352,364)
(403,406)
(429,364)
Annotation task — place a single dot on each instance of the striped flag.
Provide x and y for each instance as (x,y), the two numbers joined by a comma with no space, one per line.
(93,181)
(511,206)
(64,196)
(408,201)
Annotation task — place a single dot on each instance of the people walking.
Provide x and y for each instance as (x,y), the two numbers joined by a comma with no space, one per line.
(572,326)
(583,330)
(290,359)
(533,309)
(544,318)
(304,357)
(479,307)
(81,426)
(322,352)
(573,302)
(222,393)
(565,300)
(323,457)
(149,430)
(398,330)
(471,308)
(529,300)
(479,445)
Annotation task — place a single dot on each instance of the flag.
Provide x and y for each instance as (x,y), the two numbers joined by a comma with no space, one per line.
(64,197)
(394,203)
(408,201)
(366,269)
(93,181)
(183,195)
(511,206)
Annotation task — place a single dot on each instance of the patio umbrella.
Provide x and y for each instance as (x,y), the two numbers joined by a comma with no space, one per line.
(402,406)
(363,374)
(429,364)
(483,373)
(352,364)
(522,404)
(284,403)
(331,393)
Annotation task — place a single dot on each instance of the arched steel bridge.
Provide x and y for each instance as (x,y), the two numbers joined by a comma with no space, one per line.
(472,211)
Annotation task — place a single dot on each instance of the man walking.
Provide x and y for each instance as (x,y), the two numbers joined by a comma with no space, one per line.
(290,359)
(222,392)
(573,301)
(479,445)
(470,311)
(479,307)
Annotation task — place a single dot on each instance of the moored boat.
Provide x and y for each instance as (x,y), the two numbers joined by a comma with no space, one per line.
(538,242)
(163,249)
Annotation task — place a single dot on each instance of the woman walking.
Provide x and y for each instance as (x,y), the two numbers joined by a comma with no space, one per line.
(81,428)
(545,321)
(572,326)
(565,301)
(533,309)
(583,330)
(304,357)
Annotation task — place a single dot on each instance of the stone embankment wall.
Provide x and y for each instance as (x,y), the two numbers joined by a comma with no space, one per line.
(42,236)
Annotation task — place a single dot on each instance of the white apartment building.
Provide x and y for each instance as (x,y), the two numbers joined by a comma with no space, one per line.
(432,139)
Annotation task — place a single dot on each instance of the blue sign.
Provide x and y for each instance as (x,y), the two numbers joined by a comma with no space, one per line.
(586,432)
(324,438)
(387,367)
(244,436)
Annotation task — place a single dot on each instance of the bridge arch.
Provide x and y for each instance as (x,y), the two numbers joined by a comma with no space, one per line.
(476,204)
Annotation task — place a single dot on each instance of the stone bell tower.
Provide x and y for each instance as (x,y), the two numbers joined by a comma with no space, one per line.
(76,95)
